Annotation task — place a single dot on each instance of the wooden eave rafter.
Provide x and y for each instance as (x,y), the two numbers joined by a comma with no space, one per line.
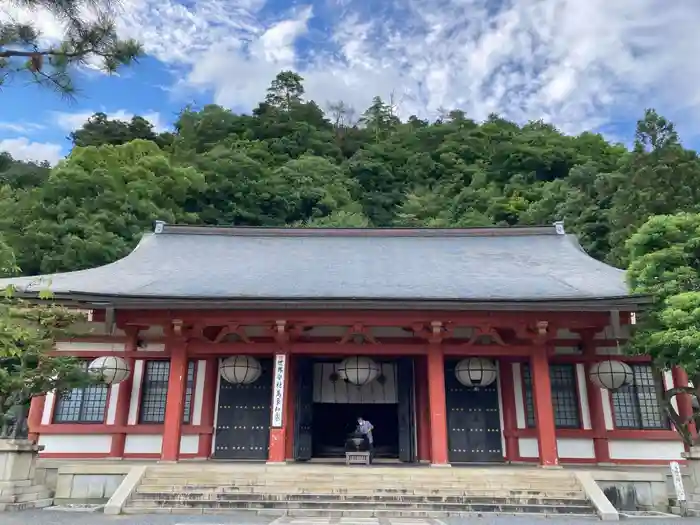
(623,304)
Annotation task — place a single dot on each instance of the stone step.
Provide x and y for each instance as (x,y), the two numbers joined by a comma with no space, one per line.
(403,499)
(208,480)
(349,514)
(373,507)
(394,491)
(40,493)
(27,505)
(367,489)
(352,471)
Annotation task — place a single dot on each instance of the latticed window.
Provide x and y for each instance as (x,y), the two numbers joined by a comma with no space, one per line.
(82,405)
(155,392)
(637,406)
(567,413)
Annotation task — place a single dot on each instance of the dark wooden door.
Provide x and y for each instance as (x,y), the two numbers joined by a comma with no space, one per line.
(243,418)
(303,409)
(404,368)
(473,421)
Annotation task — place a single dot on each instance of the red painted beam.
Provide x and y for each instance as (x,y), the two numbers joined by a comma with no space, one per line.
(367,317)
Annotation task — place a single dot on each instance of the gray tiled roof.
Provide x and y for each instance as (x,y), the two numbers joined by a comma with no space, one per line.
(488,264)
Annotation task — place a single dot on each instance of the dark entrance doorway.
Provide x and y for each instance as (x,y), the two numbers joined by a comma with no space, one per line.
(473,421)
(334,421)
(327,410)
(243,418)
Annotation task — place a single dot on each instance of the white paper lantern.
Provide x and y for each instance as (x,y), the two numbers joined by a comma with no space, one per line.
(611,375)
(476,371)
(110,370)
(240,369)
(359,370)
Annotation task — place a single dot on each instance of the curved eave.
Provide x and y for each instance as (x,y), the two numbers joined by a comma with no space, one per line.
(622,303)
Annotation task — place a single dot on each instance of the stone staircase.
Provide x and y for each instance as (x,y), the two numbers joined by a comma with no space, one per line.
(693,503)
(314,490)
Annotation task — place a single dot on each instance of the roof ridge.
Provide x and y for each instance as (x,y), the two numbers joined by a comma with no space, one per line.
(258,231)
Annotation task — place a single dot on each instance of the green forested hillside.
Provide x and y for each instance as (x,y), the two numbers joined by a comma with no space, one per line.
(292,162)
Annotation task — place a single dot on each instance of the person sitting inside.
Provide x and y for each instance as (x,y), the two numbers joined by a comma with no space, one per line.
(365,428)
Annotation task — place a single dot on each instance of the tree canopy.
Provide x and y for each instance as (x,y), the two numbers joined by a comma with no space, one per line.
(664,264)
(291,163)
(85,41)
(28,334)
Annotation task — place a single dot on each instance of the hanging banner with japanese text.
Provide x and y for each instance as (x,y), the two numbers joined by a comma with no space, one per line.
(278,391)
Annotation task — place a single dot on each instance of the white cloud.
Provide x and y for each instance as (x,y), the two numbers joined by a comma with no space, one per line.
(22,148)
(71,121)
(21,127)
(578,64)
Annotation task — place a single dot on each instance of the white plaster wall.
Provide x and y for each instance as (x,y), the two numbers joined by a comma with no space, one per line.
(112,404)
(583,396)
(578,448)
(607,409)
(135,392)
(568,448)
(500,408)
(645,449)
(87,346)
(216,407)
(519,397)
(668,385)
(609,332)
(76,443)
(198,397)
(528,448)
(143,444)
(189,444)
(47,415)
(147,346)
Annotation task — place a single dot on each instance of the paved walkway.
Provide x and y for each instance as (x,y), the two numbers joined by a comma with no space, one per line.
(74,518)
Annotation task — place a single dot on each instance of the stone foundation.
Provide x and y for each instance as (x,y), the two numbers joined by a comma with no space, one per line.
(17,488)
(693,488)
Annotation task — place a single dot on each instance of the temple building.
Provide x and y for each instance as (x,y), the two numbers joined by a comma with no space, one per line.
(459,345)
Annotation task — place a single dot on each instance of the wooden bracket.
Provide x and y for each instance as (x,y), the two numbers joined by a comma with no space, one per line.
(280,331)
(482,330)
(537,333)
(358,329)
(178,328)
(232,329)
(437,332)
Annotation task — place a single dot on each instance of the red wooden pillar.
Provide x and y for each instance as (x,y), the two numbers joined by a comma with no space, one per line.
(211,374)
(36,412)
(290,401)
(685,404)
(595,404)
(422,410)
(174,408)
(544,411)
(280,409)
(437,405)
(121,415)
(510,420)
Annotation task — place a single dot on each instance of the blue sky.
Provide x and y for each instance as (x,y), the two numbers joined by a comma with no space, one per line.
(592,65)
